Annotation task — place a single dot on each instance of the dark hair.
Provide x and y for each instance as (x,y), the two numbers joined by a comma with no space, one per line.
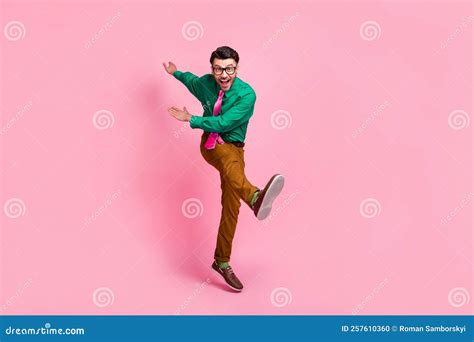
(224,52)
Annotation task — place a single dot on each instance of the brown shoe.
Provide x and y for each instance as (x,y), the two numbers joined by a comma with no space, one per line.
(263,205)
(229,276)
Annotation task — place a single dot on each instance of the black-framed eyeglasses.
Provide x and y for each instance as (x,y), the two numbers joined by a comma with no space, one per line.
(230,70)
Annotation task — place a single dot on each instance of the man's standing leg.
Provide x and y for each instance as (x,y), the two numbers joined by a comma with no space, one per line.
(230,202)
(232,172)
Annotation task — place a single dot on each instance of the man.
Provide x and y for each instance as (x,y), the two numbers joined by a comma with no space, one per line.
(224,126)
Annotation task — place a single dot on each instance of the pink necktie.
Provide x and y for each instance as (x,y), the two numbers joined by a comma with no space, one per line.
(213,136)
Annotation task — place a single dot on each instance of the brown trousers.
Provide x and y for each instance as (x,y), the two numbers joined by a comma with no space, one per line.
(228,159)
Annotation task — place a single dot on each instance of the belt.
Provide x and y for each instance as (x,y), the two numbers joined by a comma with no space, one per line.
(235,143)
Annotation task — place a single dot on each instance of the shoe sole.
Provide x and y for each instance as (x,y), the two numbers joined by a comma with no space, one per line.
(230,286)
(273,191)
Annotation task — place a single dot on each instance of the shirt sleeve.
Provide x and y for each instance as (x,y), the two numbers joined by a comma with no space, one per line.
(236,116)
(191,81)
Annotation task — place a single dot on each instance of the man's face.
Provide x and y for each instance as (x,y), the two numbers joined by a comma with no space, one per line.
(224,71)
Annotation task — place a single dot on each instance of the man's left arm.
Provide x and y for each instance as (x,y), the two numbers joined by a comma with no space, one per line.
(236,116)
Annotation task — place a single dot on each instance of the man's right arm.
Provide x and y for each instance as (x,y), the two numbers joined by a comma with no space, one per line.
(191,82)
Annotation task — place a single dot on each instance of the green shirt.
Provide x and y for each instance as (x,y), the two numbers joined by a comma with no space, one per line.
(237,105)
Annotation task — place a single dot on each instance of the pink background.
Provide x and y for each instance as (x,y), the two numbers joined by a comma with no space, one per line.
(95,219)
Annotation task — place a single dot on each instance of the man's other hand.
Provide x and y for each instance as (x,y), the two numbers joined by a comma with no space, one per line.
(171,68)
(181,115)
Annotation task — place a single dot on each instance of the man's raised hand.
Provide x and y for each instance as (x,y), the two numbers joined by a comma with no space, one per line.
(171,68)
